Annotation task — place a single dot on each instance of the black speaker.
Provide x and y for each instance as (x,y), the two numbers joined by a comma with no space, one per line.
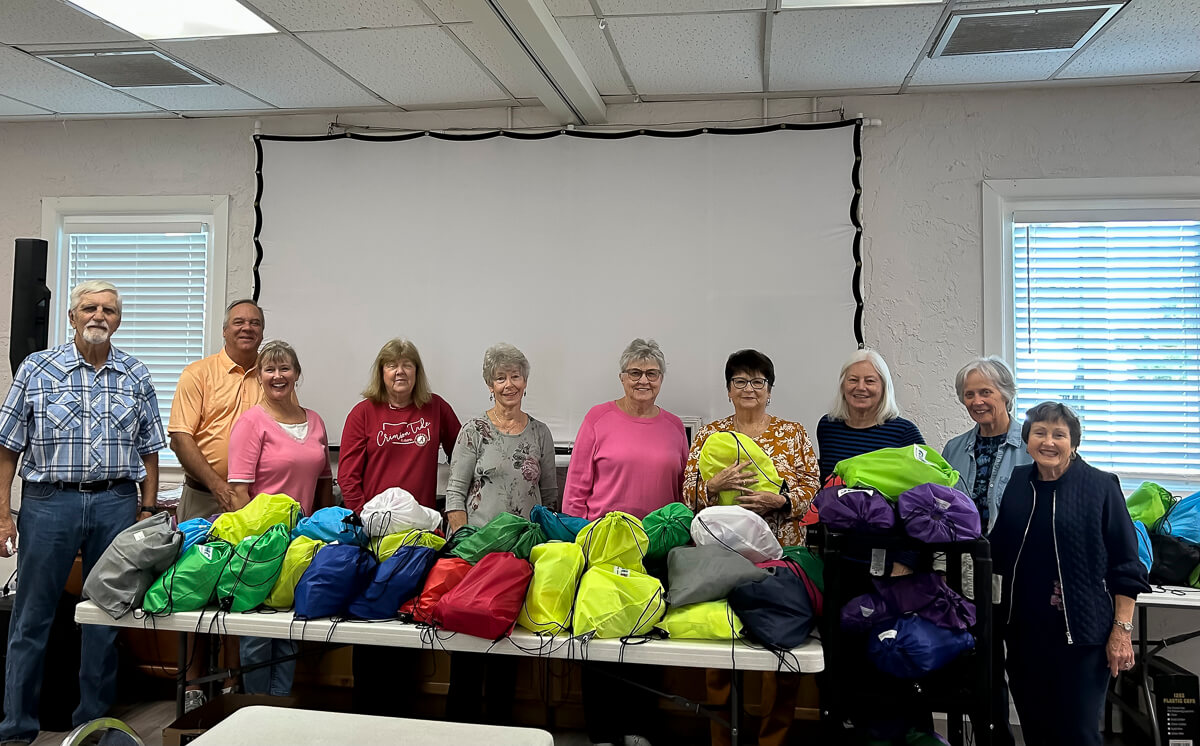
(30,329)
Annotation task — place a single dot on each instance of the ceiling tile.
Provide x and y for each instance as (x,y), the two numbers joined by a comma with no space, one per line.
(586,38)
(491,58)
(570,8)
(197,98)
(839,49)
(274,68)
(305,15)
(1149,36)
(13,108)
(448,10)
(988,68)
(691,53)
(407,66)
(52,22)
(662,7)
(28,79)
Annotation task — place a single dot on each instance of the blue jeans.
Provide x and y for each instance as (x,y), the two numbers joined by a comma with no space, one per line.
(275,679)
(52,527)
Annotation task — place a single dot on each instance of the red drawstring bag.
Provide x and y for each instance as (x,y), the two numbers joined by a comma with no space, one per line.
(443,576)
(486,603)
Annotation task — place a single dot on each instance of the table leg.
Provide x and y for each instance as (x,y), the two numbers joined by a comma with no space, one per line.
(1144,676)
(735,704)
(181,674)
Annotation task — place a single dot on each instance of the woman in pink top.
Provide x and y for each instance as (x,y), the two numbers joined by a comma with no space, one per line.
(630,453)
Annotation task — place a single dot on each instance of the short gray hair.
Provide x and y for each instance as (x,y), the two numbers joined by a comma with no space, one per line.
(888,408)
(242,301)
(93,286)
(995,370)
(643,349)
(503,356)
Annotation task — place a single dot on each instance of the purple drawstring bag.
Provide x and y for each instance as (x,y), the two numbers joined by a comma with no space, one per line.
(936,514)
(866,612)
(914,647)
(855,509)
(926,595)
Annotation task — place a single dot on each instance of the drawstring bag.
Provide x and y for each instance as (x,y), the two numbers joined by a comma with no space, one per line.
(1148,503)
(132,562)
(710,620)
(557,566)
(1175,560)
(726,448)
(814,566)
(397,579)
(1145,549)
(330,525)
(299,556)
(815,594)
(867,613)
(336,576)
(557,526)
(927,595)
(915,647)
(259,514)
(487,601)
(252,570)
(504,533)
(1182,519)
(616,602)
(615,539)
(385,546)
(891,471)
(194,531)
(709,573)
(188,585)
(775,610)
(395,510)
(446,573)
(851,509)
(736,528)
(667,528)
(936,514)
(454,539)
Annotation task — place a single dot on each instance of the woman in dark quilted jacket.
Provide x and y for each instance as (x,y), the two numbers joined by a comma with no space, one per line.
(1066,551)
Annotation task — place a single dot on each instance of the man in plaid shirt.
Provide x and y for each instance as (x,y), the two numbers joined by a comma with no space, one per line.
(85,416)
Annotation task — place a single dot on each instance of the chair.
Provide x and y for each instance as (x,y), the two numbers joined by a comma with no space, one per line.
(103,732)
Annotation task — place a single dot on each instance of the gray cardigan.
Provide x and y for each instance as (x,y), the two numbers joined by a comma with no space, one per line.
(960,453)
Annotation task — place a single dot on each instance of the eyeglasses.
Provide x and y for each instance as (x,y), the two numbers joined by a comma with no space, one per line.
(651,375)
(755,383)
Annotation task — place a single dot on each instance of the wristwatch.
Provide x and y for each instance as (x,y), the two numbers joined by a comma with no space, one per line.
(151,509)
(1127,626)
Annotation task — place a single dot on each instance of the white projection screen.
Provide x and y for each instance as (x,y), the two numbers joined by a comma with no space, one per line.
(568,246)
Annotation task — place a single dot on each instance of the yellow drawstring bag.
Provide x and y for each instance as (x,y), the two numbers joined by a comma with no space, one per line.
(386,546)
(723,449)
(550,600)
(259,515)
(616,602)
(299,556)
(709,620)
(615,539)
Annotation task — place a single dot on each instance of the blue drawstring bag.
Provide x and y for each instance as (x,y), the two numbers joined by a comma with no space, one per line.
(332,524)
(337,575)
(1182,519)
(1145,550)
(557,526)
(397,579)
(914,647)
(775,610)
(194,531)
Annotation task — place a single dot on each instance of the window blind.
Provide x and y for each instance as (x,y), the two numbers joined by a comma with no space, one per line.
(162,279)
(1107,320)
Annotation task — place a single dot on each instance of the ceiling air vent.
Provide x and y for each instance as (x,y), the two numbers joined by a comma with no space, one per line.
(1008,30)
(130,68)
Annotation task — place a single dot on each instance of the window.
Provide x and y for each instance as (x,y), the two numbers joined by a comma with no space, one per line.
(168,265)
(1100,309)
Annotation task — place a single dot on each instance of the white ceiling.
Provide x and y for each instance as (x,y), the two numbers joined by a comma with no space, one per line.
(425,54)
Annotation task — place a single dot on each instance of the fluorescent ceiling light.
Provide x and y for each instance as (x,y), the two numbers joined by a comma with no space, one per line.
(178,19)
(793,4)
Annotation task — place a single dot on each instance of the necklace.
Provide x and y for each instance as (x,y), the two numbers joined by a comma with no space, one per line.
(752,429)
(288,416)
(512,427)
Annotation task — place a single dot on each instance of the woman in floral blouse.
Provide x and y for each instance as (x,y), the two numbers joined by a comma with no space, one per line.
(749,378)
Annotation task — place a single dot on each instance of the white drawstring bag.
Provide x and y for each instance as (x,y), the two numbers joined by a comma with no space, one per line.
(395,510)
(736,528)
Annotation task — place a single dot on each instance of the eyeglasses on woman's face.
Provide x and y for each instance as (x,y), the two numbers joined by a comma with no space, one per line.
(635,374)
(758,384)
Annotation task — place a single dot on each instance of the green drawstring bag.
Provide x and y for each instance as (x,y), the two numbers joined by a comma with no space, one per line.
(810,562)
(615,602)
(550,599)
(189,583)
(386,546)
(1148,503)
(296,560)
(615,539)
(504,533)
(890,471)
(725,448)
(709,620)
(666,528)
(259,515)
(253,569)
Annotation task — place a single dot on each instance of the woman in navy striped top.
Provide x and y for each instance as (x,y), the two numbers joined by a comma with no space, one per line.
(865,416)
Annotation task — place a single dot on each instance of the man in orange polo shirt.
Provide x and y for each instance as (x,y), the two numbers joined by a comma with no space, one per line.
(212,394)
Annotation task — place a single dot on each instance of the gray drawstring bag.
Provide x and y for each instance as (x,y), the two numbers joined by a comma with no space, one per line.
(707,573)
(131,564)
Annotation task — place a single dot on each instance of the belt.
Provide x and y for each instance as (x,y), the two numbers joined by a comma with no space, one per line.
(100,485)
(195,484)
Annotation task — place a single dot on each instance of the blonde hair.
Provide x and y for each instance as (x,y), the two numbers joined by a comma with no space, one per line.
(276,350)
(887,408)
(395,351)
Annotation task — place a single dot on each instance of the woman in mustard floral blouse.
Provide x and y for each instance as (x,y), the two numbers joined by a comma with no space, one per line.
(749,377)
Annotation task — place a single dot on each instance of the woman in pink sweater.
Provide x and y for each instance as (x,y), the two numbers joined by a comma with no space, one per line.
(630,453)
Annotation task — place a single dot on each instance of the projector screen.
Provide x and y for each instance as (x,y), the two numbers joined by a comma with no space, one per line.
(569,246)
